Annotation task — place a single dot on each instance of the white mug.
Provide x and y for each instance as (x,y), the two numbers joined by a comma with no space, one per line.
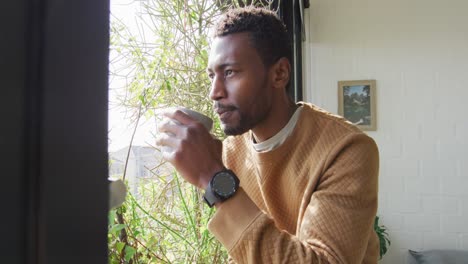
(203,119)
(206,121)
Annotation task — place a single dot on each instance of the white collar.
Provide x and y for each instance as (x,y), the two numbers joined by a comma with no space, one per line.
(278,139)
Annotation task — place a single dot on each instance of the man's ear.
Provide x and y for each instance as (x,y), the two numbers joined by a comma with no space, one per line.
(281,73)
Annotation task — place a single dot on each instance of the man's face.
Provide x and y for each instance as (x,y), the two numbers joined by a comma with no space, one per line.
(239,83)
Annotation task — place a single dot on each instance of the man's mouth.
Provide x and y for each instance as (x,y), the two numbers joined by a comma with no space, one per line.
(225,115)
(224,112)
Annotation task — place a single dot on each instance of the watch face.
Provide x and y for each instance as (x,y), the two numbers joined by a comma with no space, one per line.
(224,185)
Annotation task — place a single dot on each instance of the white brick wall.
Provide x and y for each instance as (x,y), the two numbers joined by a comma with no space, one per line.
(437,204)
(464,242)
(417,51)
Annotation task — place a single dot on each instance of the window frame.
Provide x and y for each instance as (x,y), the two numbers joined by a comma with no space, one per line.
(54,141)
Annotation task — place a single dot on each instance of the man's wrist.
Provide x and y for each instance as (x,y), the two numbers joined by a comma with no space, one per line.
(205,179)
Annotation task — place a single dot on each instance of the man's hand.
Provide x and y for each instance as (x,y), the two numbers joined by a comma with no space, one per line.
(189,147)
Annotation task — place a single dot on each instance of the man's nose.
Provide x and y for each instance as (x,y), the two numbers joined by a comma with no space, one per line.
(218,89)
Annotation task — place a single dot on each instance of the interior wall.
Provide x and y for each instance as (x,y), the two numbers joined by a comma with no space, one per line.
(417,51)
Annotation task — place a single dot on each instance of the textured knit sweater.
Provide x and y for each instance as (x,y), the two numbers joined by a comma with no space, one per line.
(311,200)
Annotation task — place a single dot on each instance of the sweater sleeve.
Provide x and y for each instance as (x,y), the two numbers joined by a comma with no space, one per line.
(336,223)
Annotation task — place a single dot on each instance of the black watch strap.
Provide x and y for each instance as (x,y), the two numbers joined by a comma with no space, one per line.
(209,196)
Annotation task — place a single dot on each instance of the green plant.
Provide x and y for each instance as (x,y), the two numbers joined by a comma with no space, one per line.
(164,66)
(384,241)
(167,224)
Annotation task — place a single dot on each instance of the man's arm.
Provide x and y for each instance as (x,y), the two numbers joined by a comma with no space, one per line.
(336,224)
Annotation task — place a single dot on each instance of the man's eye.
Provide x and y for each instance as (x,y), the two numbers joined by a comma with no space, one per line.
(228,72)
(211,76)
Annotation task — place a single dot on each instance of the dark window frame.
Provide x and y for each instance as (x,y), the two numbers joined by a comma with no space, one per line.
(53,109)
(290,12)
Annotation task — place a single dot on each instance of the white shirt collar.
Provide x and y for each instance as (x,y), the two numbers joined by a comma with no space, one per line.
(278,139)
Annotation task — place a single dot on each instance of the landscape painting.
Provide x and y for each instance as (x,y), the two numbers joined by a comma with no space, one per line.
(357,103)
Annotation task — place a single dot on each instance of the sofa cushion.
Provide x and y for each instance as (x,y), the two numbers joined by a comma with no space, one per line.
(438,257)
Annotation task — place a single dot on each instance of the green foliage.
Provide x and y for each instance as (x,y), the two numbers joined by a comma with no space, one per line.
(167,224)
(384,241)
(166,65)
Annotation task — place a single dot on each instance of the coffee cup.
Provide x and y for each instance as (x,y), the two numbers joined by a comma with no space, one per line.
(203,119)
(206,121)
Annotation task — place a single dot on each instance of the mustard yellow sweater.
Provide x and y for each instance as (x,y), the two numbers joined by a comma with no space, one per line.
(311,200)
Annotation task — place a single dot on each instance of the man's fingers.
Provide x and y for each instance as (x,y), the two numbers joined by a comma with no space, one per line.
(165,140)
(168,126)
(167,155)
(179,115)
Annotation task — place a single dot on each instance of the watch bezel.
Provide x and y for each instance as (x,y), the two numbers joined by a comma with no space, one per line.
(232,176)
(211,197)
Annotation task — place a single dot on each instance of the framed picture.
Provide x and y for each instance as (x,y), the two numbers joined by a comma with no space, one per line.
(357,103)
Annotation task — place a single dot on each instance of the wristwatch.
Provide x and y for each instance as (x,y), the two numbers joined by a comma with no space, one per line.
(221,187)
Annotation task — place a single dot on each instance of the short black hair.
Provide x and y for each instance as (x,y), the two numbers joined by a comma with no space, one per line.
(267,32)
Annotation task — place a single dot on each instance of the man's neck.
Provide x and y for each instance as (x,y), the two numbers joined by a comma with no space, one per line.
(275,121)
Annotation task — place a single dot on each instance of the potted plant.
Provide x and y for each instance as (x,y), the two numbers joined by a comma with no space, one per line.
(384,241)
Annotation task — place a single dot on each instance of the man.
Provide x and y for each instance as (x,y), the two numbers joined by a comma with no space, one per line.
(308,179)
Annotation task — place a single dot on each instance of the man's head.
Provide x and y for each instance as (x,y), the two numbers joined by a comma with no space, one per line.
(267,33)
(249,69)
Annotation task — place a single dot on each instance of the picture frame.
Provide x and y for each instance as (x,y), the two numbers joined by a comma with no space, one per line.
(357,103)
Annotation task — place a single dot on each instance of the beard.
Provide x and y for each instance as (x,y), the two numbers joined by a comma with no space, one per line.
(239,129)
(245,122)
(249,114)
